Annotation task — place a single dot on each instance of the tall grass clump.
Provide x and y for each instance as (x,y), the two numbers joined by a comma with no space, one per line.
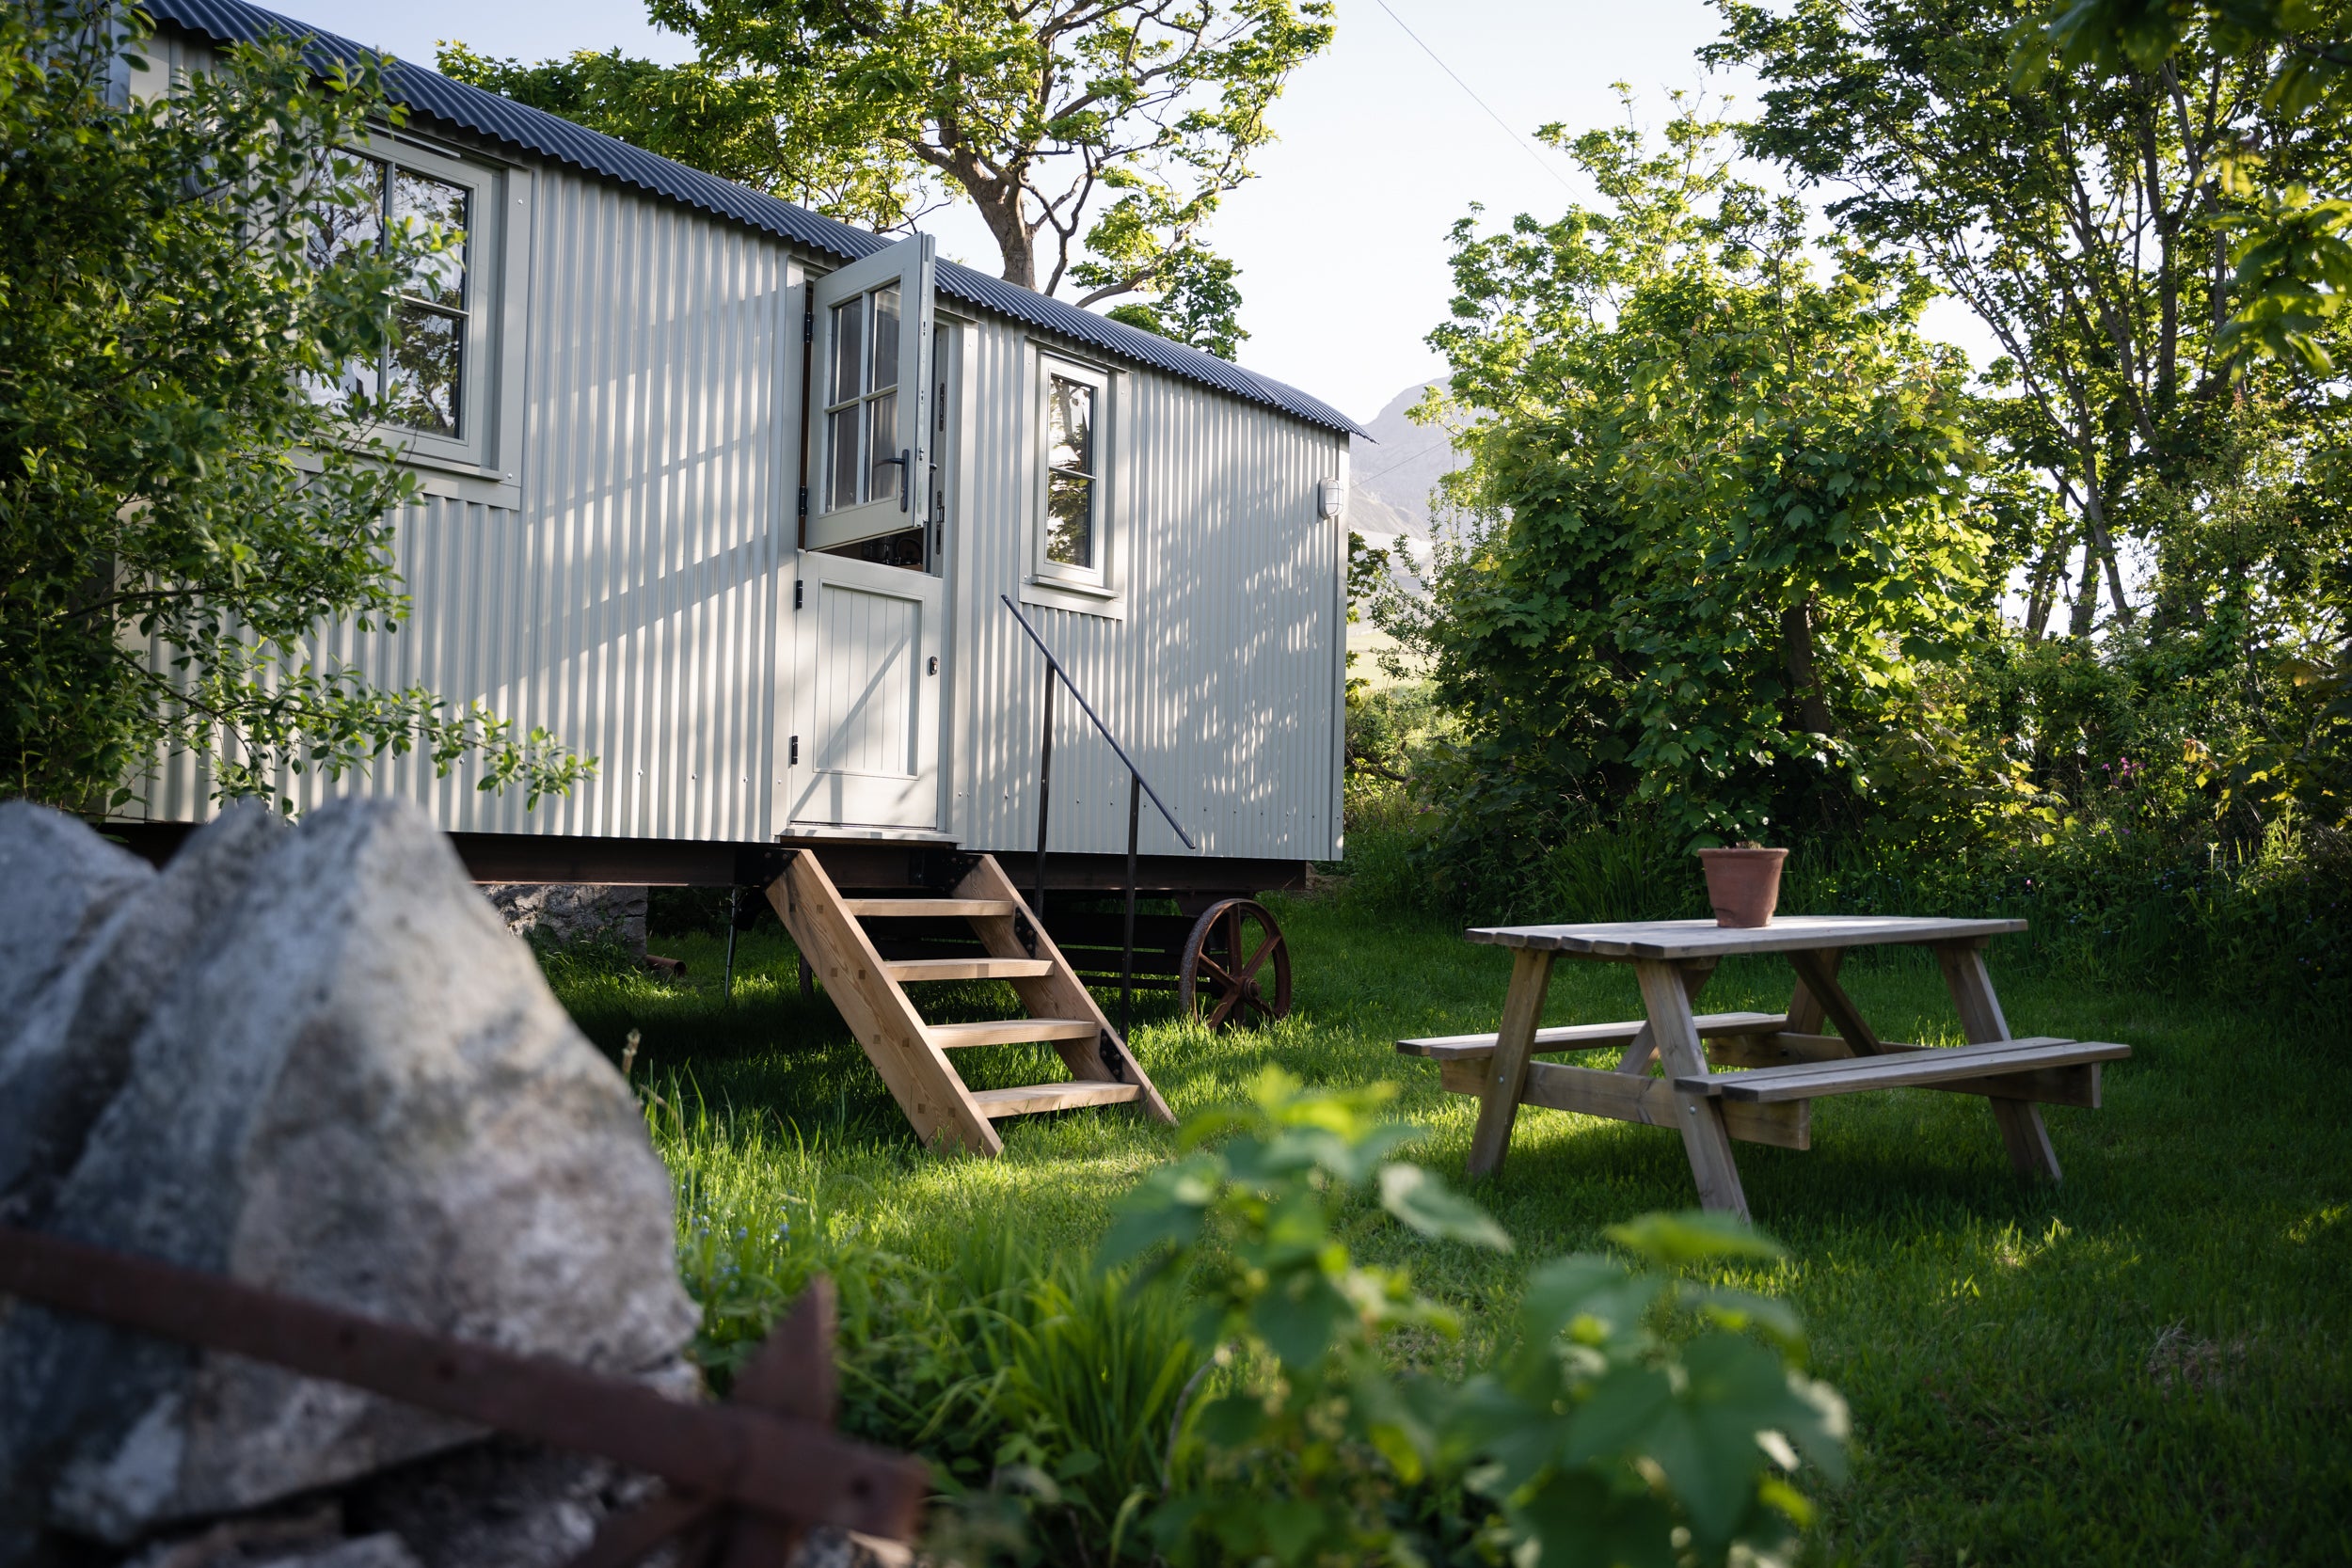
(1013,1372)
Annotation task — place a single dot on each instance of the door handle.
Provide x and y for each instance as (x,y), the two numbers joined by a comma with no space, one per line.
(905,460)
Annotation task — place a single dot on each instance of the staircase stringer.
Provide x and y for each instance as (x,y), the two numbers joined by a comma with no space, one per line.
(878,1011)
(1058,994)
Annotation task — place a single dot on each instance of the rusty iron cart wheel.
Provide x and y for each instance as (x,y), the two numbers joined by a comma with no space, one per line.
(1236,967)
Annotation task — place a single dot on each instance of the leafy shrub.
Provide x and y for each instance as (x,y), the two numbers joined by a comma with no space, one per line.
(1640,1418)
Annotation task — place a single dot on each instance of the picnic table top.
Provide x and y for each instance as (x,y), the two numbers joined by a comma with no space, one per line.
(1704,939)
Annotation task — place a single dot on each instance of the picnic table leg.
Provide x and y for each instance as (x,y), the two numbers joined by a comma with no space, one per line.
(2020,1121)
(1666,1000)
(1644,1046)
(1506,1071)
(1806,1012)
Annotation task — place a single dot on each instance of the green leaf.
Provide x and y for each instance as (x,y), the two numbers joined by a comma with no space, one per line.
(1619,1415)
(1427,1205)
(1693,1236)
(1299,1318)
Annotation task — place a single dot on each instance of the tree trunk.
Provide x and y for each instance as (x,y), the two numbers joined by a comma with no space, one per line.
(1796,653)
(2086,616)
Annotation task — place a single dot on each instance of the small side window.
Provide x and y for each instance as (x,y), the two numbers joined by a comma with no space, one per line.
(440,387)
(1073,533)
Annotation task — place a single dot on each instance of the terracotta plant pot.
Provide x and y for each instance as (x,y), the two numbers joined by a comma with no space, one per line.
(1743,885)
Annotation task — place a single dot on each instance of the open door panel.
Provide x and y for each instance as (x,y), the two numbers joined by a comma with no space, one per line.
(869,395)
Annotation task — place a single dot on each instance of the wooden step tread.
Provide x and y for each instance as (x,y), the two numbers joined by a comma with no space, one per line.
(1855,1074)
(895,908)
(1011,1031)
(1588,1037)
(968,969)
(1029,1099)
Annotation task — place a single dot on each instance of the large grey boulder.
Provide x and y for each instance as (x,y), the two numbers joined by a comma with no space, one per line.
(66,1044)
(364,1095)
(58,882)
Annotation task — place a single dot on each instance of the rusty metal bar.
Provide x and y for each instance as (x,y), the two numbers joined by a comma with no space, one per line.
(792,1467)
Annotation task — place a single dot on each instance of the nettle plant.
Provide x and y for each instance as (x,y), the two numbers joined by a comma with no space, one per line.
(1641,1417)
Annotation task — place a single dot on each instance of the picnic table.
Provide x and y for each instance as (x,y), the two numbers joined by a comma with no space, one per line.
(1785,1062)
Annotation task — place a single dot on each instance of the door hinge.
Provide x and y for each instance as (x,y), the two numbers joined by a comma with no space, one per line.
(793,755)
(803,500)
(808,325)
(799,589)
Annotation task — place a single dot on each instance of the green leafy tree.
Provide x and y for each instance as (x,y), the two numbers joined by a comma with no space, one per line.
(1725,510)
(2077,216)
(2120,193)
(190,483)
(1640,1418)
(739,127)
(1095,139)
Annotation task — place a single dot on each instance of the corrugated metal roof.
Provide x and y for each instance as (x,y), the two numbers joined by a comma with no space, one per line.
(549,136)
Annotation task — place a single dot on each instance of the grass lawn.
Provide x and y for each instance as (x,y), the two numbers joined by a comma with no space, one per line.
(2145,1366)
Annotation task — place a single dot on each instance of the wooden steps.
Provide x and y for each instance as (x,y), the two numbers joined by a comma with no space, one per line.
(911,1052)
(968,969)
(1013,1030)
(1029,1099)
(928,908)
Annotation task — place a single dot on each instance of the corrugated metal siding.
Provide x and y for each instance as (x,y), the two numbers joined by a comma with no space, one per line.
(1223,679)
(630,606)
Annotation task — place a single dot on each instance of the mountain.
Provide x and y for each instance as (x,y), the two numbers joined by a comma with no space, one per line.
(1391,476)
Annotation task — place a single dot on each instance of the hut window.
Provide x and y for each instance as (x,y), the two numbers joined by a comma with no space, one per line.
(421,382)
(436,391)
(1073,539)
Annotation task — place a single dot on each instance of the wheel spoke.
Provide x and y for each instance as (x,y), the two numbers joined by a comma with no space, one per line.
(1274,939)
(1225,1009)
(1211,969)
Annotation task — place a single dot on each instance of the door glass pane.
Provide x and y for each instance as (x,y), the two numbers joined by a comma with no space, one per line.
(881,482)
(422,386)
(1070,519)
(419,203)
(884,369)
(841,433)
(848,332)
(1069,425)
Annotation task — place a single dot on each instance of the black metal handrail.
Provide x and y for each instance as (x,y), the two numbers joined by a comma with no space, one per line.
(1136,790)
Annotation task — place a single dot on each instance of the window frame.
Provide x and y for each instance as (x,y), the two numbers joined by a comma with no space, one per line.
(482,462)
(1089,587)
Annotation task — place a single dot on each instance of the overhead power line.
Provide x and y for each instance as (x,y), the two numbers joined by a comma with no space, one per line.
(1526,146)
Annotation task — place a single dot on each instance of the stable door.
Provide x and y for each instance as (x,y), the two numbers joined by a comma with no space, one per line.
(869,652)
(868,604)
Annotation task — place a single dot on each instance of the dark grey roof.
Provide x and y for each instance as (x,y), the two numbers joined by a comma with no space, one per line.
(502,120)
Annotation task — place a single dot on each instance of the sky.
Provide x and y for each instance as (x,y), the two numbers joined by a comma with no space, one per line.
(1341,238)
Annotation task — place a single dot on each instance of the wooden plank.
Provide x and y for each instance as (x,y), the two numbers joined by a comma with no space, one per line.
(1805,1013)
(1620,1097)
(1821,984)
(1703,939)
(1584,1036)
(1029,1099)
(928,908)
(1506,1067)
(1011,1031)
(2022,1133)
(1058,992)
(892,1035)
(2062,1086)
(907,970)
(1699,1117)
(1643,1049)
(1902,1070)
